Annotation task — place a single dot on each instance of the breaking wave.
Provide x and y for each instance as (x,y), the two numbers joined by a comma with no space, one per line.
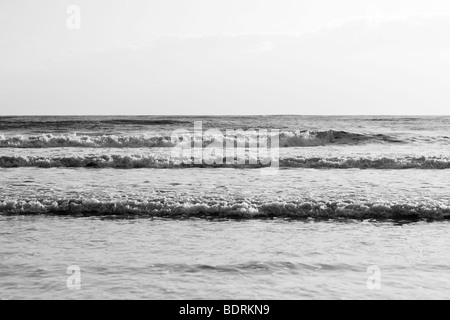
(155,161)
(227,209)
(286,139)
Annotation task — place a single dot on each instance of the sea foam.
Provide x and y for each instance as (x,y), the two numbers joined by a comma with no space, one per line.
(286,139)
(163,161)
(227,209)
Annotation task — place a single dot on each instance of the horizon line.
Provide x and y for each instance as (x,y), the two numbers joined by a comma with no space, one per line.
(223,115)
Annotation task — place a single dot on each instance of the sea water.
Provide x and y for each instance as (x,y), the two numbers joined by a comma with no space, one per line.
(358,208)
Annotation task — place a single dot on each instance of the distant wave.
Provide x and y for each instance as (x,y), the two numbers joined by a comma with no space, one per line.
(227,209)
(84,141)
(395,119)
(319,138)
(286,139)
(151,161)
(11,123)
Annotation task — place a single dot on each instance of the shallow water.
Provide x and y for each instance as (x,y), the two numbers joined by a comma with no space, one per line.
(200,259)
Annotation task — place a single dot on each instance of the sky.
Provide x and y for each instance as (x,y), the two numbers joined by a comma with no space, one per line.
(217,57)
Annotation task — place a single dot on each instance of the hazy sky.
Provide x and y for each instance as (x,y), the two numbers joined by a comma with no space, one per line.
(225,57)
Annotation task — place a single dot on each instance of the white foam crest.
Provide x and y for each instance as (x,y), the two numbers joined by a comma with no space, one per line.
(229,209)
(251,160)
(240,138)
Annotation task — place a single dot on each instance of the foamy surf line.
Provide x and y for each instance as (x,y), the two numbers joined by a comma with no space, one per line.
(227,209)
(286,139)
(165,162)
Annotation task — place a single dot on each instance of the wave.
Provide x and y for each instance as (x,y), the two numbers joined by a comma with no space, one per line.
(368,163)
(320,138)
(11,123)
(165,162)
(250,266)
(85,141)
(227,209)
(397,119)
(286,139)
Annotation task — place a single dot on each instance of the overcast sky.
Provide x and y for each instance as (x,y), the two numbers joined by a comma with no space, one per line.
(225,57)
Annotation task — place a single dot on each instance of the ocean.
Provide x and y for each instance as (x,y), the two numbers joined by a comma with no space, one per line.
(357,207)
